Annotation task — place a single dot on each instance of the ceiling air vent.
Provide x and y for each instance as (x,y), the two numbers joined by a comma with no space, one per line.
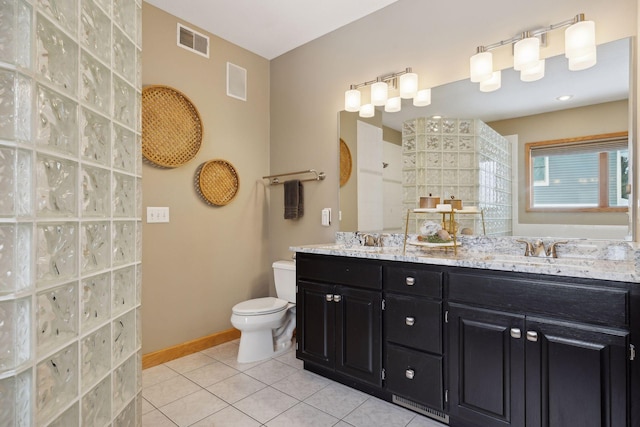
(193,40)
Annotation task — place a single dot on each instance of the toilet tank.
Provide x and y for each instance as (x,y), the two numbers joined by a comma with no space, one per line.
(284,276)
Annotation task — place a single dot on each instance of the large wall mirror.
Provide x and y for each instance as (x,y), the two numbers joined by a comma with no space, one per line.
(524,113)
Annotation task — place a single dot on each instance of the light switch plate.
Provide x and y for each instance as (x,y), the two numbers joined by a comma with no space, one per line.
(326,217)
(157,214)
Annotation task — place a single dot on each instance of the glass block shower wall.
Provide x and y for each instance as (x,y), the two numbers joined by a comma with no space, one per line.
(462,158)
(70,212)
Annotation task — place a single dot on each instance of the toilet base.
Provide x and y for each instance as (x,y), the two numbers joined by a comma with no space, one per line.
(258,345)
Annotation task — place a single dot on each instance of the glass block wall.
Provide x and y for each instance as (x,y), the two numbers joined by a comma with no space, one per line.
(462,158)
(70,212)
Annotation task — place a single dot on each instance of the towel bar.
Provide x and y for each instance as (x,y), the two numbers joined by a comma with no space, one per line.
(274,179)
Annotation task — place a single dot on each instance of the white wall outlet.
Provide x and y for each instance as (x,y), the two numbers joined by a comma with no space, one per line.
(326,217)
(157,214)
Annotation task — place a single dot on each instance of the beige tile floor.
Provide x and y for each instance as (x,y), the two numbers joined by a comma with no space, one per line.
(211,388)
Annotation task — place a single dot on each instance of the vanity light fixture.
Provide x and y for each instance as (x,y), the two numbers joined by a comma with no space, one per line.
(422,98)
(492,83)
(407,83)
(393,105)
(367,110)
(580,50)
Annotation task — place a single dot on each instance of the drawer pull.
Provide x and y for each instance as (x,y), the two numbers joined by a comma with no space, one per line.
(409,373)
(329,297)
(532,336)
(337,298)
(410,281)
(516,333)
(410,321)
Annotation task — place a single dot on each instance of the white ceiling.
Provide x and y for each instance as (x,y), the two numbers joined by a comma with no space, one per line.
(270,28)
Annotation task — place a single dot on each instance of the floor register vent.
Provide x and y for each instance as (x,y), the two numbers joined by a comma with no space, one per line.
(193,41)
(417,407)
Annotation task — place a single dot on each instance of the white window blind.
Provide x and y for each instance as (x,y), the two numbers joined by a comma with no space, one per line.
(596,146)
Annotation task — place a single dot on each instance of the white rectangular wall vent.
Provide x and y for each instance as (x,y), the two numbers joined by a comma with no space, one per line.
(192,40)
(236,81)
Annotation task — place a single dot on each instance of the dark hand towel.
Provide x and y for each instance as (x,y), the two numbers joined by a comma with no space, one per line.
(293,199)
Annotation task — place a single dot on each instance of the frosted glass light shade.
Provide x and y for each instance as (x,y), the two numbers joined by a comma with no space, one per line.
(408,85)
(533,73)
(352,100)
(367,110)
(379,93)
(526,53)
(393,105)
(481,66)
(583,62)
(580,39)
(492,83)
(422,98)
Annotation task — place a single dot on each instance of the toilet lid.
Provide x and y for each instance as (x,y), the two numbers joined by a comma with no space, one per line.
(255,306)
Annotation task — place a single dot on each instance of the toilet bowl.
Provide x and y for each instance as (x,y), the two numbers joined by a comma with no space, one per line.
(266,324)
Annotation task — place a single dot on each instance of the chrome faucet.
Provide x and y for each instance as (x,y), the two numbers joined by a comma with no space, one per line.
(551,249)
(537,249)
(528,249)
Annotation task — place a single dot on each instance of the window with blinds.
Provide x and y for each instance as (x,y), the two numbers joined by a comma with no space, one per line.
(579,174)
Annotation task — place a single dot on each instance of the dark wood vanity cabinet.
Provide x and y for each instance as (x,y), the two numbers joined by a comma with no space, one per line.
(413,335)
(479,348)
(339,317)
(537,353)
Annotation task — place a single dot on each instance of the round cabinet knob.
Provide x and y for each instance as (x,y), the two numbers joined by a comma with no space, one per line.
(410,321)
(515,333)
(329,297)
(337,298)
(410,281)
(532,336)
(409,373)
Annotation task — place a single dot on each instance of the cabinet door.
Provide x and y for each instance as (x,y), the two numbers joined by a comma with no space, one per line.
(486,366)
(358,334)
(576,375)
(315,323)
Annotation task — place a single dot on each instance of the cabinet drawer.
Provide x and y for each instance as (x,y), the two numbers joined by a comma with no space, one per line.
(339,270)
(575,301)
(413,280)
(413,322)
(415,376)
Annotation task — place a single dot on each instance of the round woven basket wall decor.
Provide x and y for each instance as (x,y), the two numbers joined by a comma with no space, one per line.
(171,127)
(217,182)
(345,163)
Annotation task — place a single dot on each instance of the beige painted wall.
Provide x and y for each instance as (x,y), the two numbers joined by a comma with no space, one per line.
(207,258)
(592,120)
(308,83)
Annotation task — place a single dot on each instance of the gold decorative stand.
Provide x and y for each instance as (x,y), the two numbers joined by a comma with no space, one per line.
(448,224)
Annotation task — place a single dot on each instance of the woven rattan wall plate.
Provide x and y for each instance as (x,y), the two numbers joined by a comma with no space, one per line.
(171,127)
(345,163)
(217,182)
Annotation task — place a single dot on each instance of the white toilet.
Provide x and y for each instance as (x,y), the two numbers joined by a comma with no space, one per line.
(267,324)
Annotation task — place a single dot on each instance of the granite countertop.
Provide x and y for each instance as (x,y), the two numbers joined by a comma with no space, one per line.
(596,259)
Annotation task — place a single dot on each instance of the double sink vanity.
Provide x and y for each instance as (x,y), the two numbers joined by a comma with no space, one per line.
(482,337)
